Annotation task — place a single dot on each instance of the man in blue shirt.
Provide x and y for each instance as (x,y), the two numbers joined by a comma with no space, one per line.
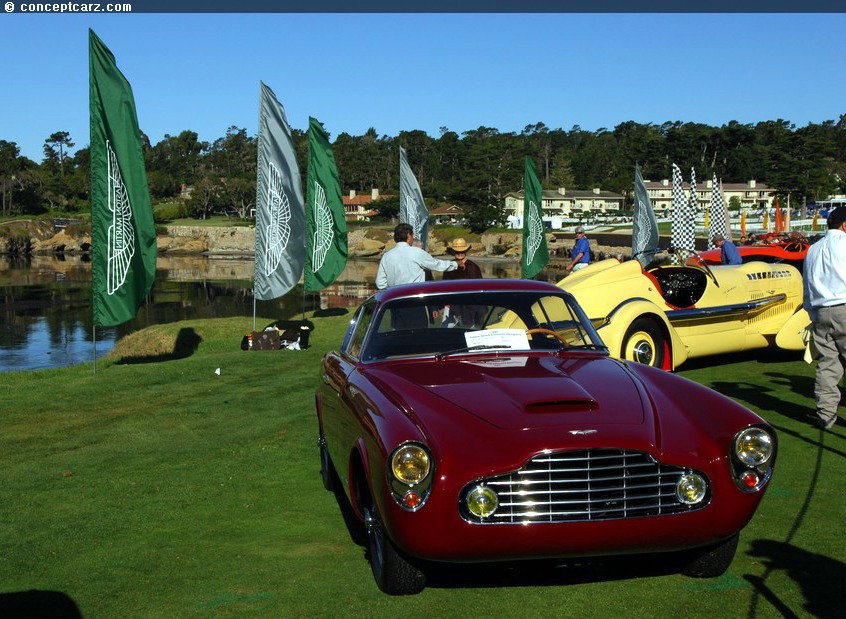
(728,250)
(581,251)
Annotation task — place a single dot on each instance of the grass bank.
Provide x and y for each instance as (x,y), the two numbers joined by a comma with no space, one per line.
(156,487)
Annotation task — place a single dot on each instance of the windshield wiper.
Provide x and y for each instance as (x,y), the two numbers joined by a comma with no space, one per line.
(445,354)
(584,347)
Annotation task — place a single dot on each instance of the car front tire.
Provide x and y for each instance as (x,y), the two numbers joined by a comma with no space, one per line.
(393,573)
(713,561)
(327,469)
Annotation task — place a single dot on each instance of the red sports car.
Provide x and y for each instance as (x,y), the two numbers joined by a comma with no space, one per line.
(789,252)
(458,441)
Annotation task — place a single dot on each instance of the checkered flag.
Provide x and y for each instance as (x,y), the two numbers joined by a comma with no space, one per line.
(719,215)
(687,233)
(683,225)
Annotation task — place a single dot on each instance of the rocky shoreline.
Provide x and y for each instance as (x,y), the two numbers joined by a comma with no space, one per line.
(39,237)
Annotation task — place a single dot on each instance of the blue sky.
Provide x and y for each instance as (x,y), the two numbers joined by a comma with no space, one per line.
(398,72)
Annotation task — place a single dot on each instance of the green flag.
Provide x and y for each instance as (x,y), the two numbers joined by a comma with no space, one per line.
(535,253)
(326,227)
(122,228)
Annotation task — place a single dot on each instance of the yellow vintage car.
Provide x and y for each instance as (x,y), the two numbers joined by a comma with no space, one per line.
(664,315)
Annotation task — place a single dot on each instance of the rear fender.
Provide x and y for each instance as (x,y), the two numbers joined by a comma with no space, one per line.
(614,327)
(789,336)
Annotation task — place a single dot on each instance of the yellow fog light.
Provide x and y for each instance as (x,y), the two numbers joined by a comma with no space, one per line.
(482,501)
(691,488)
(410,464)
(753,446)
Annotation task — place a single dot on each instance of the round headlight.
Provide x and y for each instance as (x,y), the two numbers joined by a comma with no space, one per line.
(482,501)
(410,464)
(691,488)
(753,446)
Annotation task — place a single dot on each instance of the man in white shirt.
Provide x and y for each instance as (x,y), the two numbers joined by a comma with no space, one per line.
(405,263)
(825,300)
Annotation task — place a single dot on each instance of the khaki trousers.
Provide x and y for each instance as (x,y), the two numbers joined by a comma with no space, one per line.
(830,342)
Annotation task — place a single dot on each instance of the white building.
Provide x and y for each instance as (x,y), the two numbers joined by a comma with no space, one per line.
(752,195)
(560,205)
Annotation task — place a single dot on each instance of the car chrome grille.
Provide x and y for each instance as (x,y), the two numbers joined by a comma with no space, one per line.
(586,485)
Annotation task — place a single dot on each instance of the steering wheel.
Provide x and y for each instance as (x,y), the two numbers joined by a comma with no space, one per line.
(794,247)
(555,334)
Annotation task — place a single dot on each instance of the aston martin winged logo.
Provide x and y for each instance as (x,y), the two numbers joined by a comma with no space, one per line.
(535,233)
(278,231)
(644,228)
(323,234)
(121,234)
(411,215)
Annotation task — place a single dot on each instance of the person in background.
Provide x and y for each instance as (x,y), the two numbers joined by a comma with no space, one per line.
(467,269)
(405,263)
(728,250)
(581,251)
(824,297)
(466,315)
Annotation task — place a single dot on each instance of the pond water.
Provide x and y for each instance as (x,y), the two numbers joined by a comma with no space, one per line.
(46,319)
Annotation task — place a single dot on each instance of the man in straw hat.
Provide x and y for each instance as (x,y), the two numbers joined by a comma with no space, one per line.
(467,269)
(464,315)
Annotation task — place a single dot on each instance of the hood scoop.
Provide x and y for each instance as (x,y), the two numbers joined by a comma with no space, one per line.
(562,406)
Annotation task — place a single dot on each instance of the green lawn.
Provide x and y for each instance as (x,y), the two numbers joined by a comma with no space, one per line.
(158,488)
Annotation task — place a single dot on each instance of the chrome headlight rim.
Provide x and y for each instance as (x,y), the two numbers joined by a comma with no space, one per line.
(410,492)
(754,447)
(748,476)
(484,508)
(695,481)
(410,463)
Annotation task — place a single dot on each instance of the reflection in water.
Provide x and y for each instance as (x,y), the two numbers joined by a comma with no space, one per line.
(46,317)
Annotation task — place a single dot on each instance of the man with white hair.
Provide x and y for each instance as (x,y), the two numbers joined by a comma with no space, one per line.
(581,251)
(728,250)
(824,281)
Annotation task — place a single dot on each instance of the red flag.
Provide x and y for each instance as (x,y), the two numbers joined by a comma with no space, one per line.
(779,223)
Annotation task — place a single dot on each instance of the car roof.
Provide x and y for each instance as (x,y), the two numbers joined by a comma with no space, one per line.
(467,285)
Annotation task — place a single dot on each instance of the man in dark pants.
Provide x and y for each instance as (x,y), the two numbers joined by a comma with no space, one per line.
(825,300)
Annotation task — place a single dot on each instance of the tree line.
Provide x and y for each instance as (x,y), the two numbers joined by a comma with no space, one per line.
(474,170)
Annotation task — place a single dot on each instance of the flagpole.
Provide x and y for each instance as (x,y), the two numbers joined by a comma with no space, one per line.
(94,339)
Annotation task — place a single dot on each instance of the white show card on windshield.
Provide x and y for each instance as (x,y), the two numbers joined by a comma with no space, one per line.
(515,339)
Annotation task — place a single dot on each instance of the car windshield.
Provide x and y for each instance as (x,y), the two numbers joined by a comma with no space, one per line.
(444,324)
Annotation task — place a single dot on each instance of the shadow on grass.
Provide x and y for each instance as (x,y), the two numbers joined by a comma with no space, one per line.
(187,342)
(549,572)
(820,577)
(332,311)
(38,605)
(764,356)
